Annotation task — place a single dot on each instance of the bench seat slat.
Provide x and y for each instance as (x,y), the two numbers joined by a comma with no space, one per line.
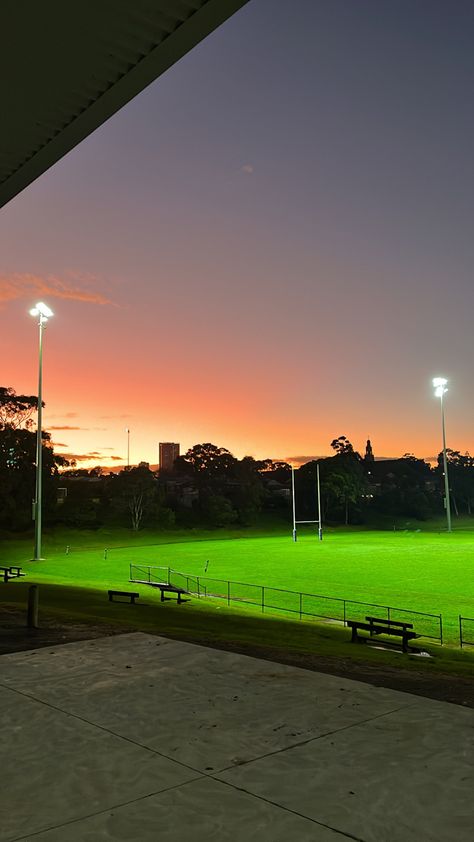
(389,622)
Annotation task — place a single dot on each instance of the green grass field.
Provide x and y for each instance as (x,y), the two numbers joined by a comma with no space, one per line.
(419,571)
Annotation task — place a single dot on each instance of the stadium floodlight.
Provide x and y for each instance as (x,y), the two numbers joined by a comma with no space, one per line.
(44,313)
(42,310)
(440,387)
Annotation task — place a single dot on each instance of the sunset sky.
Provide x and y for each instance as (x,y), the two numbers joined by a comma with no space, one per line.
(269,247)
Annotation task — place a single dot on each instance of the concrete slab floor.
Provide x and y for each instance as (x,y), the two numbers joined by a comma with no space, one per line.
(140,738)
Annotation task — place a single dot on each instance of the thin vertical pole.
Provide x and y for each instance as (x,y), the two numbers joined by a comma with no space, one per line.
(33,605)
(460,630)
(39,450)
(445,466)
(320,528)
(293,498)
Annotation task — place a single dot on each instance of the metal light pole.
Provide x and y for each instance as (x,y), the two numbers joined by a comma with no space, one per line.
(128,446)
(44,313)
(439,384)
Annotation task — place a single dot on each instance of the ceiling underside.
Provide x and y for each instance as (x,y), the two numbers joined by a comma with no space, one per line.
(66,67)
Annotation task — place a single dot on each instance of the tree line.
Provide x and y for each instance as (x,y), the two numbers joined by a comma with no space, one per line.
(209,487)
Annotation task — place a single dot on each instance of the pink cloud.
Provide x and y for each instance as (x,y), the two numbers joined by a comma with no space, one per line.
(26,285)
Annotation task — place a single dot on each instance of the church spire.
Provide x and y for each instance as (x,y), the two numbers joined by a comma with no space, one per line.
(369,456)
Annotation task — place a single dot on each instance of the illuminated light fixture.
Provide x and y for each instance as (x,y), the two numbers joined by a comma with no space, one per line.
(44,312)
(439,384)
(440,389)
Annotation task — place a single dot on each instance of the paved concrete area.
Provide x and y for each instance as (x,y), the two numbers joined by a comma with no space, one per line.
(136,737)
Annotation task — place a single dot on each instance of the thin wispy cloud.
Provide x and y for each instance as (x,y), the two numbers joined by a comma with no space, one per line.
(92,456)
(67,427)
(247,168)
(83,457)
(64,427)
(25,285)
(301,460)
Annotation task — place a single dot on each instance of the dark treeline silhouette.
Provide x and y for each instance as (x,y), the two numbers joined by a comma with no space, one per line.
(209,487)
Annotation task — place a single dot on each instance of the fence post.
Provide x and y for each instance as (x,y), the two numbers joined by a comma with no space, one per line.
(228,592)
(344,603)
(460,630)
(301,605)
(388,614)
(198,586)
(263,599)
(441,629)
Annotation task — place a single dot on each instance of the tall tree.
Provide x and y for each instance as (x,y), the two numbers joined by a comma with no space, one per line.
(343,446)
(18,460)
(207,460)
(16,410)
(461,479)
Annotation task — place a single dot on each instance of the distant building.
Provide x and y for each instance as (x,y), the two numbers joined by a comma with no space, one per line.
(169,452)
(369,454)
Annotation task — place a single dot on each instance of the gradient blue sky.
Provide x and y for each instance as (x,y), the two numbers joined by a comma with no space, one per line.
(271,246)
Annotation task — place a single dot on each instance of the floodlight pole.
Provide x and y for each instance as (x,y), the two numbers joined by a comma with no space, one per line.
(128,447)
(37,506)
(445,467)
(320,529)
(293,497)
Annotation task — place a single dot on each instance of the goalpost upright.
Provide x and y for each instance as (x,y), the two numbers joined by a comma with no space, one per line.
(293,496)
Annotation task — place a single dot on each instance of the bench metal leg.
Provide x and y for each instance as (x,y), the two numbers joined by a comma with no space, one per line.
(355,636)
(179,599)
(162,596)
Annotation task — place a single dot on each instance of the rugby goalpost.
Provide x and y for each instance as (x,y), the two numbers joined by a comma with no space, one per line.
(293,496)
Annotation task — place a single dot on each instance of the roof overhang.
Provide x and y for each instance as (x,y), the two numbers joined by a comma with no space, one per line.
(68,66)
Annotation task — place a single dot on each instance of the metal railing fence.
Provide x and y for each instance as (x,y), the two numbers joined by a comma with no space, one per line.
(466,626)
(303,604)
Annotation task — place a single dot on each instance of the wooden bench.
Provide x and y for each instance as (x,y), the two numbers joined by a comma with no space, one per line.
(165,588)
(12,572)
(133,596)
(379,626)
